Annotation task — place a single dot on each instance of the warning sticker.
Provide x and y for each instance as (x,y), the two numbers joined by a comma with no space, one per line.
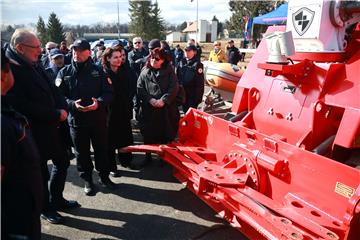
(344,190)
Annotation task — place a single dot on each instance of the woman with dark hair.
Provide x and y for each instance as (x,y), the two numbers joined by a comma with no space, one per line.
(120,111)
(157,88)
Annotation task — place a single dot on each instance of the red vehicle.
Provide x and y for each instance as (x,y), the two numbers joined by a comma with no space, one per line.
(285,163)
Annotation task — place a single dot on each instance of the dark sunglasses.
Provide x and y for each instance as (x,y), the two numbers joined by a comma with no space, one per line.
(137,42)
(155,58)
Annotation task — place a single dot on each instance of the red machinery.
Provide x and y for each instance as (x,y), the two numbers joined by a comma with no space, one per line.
(283,164)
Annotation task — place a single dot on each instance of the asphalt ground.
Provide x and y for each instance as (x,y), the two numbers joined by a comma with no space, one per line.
(147,204)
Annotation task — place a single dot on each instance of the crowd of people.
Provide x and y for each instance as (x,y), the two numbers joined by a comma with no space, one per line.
(58,102)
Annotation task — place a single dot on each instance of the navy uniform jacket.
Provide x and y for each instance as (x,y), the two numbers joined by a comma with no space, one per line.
(84,81)
(21,180)
(191,76)
(52,72)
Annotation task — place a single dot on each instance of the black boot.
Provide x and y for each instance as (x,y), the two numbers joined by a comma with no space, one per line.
(148,159)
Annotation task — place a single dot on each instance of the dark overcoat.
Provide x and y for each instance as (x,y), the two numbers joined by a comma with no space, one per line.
(158,125)
(36,97)
(120,110)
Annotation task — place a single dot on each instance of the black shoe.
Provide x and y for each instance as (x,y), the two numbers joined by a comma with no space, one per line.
(125,164)
(106,182)
(66,204)
(161,163)
(89,188)
(52,217)
(70,155)
(115,174)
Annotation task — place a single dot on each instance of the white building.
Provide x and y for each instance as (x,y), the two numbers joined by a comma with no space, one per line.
(175,37)
(207,32)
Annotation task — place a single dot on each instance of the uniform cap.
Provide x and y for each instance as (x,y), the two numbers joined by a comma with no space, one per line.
(55,53)
(81,44)
(190,47)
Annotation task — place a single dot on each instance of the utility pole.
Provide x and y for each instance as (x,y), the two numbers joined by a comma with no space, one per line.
(197,21)
(118,24)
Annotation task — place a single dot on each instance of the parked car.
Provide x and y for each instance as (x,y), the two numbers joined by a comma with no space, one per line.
(110,43)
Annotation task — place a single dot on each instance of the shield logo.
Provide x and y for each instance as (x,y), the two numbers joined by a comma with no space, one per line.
(302,20)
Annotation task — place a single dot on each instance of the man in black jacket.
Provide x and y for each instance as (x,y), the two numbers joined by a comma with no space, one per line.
(21,182)
(87,93)
(233,54)
(137,58)
(190,73)
(34,96)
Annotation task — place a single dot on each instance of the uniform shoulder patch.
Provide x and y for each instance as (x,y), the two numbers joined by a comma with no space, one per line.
(109,80)
(58,82)
(200,70)
(94,73)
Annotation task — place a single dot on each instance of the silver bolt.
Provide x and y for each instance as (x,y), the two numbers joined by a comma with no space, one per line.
(289,116)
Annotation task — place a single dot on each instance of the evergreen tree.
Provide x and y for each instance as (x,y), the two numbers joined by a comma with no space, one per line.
(181,26)
(241,9)
(145,20)
(55,29)
(158,26)
(41,31)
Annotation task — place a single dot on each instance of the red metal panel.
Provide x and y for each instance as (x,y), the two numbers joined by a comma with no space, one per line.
(269,174)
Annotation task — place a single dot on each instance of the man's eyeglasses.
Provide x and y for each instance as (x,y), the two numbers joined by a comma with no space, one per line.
(39,46)
(137,42)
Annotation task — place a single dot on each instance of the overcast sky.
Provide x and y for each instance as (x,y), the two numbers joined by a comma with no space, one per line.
(87,12)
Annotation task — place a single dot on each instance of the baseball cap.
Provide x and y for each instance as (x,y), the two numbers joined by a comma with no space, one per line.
(190,47)
(55,53)
(82,44)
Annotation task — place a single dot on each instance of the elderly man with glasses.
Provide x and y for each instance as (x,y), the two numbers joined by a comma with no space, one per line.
(34,96)
(45,58)
(137,58)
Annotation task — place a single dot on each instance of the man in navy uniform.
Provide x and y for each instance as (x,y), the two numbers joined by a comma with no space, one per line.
(87,93)
(190,73)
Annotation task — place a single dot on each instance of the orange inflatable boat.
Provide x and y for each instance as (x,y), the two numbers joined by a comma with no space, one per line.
(222,76)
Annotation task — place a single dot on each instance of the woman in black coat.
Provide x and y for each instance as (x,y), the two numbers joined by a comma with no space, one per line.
(120,111)
(157,88)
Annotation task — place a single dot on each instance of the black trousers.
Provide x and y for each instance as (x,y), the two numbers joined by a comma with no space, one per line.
(53,191)
(81,137)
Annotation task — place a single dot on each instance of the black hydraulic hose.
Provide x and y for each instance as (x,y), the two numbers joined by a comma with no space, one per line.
(323,147)
(238,117)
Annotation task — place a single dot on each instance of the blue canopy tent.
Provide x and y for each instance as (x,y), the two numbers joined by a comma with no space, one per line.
(278,16)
